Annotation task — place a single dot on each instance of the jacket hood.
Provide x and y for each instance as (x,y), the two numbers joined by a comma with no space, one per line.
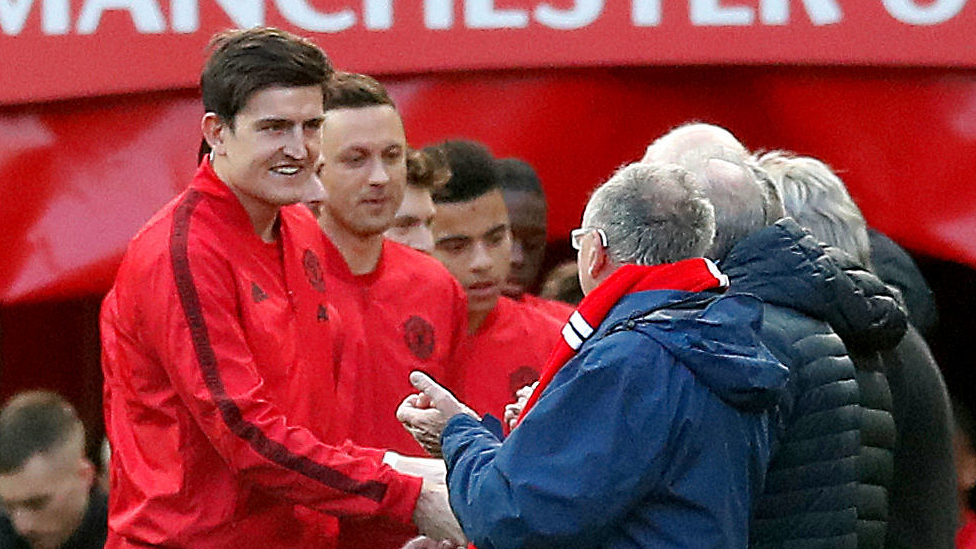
(784,265)
(717,338)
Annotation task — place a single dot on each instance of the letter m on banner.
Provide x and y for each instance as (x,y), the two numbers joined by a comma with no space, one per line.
(55,16)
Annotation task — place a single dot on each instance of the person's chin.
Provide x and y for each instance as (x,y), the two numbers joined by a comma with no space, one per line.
(484,295)
(512,290)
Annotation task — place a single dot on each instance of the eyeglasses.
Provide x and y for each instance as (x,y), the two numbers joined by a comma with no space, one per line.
(576,236)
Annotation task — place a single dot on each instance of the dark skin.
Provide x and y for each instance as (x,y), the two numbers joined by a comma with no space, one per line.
(527,216)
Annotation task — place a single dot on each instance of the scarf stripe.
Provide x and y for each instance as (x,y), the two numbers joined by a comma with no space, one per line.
(722,278)
(576,331)
(572,338)
(580,324)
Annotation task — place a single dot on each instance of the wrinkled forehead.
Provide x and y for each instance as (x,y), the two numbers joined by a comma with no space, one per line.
(286,103)
(416,202)
(373,125)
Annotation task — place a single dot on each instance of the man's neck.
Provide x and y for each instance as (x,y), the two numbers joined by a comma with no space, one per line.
(263,216)
(476,319)
(361,253)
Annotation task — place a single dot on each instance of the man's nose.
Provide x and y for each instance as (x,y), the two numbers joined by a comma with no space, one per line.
(480,258)
(518,255)
(378,174)
(23,521)
(298,145)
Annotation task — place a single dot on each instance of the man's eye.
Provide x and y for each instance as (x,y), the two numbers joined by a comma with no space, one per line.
(495,239)
(452,246)
(533,245)
(33,505)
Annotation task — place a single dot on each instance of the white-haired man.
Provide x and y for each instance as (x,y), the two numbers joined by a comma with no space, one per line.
(922,495)
(825,487)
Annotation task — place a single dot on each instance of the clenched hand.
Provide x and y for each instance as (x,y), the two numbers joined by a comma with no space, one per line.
(424,415)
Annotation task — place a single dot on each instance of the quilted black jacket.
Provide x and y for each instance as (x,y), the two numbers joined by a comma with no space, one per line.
(832,453)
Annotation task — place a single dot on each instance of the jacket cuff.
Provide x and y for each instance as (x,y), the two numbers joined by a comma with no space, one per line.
(401,495)
(494,426)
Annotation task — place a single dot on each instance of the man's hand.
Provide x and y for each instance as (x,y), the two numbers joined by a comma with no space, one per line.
(424,415)
(514,410)
(433,515)
(430,469)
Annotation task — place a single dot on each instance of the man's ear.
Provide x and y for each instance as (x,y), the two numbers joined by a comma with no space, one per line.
(597,262)
(214,132)
(86,470)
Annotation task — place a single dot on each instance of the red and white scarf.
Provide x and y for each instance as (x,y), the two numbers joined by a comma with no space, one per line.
(690,275)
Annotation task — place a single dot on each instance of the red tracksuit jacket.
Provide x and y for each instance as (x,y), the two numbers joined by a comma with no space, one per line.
(507,353)
(407,314)
(218,351)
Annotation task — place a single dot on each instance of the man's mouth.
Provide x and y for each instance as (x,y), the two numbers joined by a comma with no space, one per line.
(288,170)
(482,289)
(375,202)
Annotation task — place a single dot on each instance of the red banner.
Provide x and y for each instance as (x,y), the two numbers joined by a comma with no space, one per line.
(53,49)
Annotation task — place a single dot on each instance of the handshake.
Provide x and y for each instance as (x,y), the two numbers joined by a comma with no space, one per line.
(424,415)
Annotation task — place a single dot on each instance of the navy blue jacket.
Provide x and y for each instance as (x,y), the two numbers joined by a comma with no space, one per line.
(654,435)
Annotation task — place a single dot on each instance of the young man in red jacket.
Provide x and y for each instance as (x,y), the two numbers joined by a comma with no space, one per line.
(508,341)
(401,309)
(527,209)
(218,334)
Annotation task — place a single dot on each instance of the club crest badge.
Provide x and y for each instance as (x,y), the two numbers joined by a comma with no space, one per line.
(313,270)
(419,337)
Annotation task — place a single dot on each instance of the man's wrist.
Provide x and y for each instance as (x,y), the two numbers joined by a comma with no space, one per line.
(391,458)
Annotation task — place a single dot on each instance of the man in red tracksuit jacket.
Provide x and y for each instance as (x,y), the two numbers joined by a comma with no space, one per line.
(401,310)
(508,341)
(217,390)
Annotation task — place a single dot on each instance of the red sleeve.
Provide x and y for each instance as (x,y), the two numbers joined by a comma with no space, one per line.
(205,352)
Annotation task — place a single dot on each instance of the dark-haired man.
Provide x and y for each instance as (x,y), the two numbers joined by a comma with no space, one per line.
(218,334)
(401,310)
(47,487)
(472,238)
(526,204)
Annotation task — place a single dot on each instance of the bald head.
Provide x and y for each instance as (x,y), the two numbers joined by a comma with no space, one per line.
(695,138)
(743,195)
